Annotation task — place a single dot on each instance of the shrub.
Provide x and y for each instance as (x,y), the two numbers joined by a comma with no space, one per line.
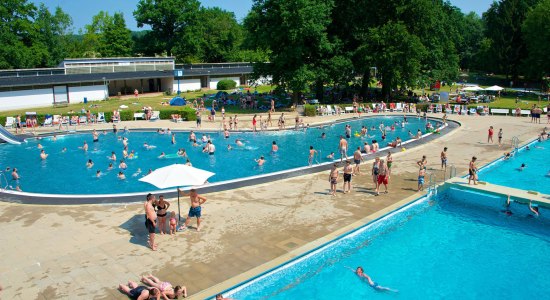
(226,84)
(185,112)
(310,110)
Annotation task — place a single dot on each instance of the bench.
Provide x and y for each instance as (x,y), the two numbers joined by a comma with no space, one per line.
(500,111)
(139,116)
(525,112)
(349,109)
(61,104)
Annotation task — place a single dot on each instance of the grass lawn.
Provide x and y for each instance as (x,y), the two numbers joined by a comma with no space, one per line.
(508,99)
(134,105)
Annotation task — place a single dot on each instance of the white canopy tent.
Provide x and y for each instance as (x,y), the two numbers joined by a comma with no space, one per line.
(495,88)
(474,88)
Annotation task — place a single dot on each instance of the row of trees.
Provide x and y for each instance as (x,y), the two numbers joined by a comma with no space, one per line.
(309,43)
(33,36)
(409,43)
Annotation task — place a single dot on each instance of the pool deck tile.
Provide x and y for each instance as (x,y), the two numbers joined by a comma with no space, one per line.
(90,249)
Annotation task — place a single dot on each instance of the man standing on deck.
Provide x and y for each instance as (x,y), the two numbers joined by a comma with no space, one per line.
(195,210)
(150,220)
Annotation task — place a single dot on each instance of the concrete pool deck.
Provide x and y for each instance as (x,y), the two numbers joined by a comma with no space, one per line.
(58,252)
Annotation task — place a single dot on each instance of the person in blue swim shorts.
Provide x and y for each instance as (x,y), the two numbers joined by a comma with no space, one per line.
(195,210)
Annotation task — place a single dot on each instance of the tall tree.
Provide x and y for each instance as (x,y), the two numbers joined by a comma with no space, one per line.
(116,39)
(503,22)
(536,30)
(52,37)
(212,38)
(169,19)
(16,34)
(295,31)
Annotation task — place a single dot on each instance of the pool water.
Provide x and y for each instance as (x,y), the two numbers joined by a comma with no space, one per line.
(66,172)
(460,246)
(534,177)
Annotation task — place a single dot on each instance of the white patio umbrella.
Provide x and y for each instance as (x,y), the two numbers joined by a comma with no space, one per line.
(177,175)
(472,88)
(495,88)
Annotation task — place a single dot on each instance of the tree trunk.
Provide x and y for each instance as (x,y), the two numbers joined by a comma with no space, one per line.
(365,84)
(319,90)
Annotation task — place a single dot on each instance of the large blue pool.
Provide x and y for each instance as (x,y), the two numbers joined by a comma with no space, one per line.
(66,172)
(534,177)
(457,245)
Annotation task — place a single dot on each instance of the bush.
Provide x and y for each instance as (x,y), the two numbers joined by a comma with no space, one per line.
(310,110)
(185,112)
(226,84)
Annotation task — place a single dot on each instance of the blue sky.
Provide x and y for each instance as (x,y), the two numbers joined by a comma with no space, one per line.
(82,10)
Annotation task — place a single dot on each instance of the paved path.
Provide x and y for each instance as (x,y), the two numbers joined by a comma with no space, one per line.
(56,252)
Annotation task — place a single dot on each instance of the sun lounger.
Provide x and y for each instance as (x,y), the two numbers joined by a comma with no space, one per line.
(10,122)
(399,107)
(100,117)
(83,120)
(48,121)
(155,116)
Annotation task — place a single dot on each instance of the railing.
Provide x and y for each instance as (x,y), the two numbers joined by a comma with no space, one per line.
(32,72)
(432,182)
(213,66)
(3,176)
(515,142)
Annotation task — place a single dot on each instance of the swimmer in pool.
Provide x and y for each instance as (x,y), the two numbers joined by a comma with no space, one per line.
(113,156)
(260,161)
(274,147)
(188,163)
(98,173)
(39,146)
(132,154)
(204,138)
(523,166)
(239,143)
(89,164)
(162,155)
(121,175)
(136,173)
(323,135)
(361,274)
(182,153)
(43,154)
(110,167)
(122,165)
(507,155)
(331,155)
(84,146)
(195,143)
(64,149)
(229,148)
(507,209)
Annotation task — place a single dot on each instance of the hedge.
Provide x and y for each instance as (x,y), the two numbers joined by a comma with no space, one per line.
(187,113)
(310,110)
(226,84)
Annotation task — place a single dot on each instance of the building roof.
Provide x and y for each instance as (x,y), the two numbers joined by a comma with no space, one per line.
(77,78)
(112,60)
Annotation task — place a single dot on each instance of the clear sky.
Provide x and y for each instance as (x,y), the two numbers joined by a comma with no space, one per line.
(82,10)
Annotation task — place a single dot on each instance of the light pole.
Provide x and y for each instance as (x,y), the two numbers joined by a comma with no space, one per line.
(178,74)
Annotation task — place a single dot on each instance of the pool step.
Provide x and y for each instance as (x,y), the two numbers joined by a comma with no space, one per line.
(521,196)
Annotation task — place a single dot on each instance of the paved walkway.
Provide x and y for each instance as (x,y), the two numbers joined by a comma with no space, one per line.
(57,252)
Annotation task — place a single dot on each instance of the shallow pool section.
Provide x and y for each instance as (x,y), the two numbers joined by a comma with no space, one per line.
(460,245)
(65,171)
(534,177)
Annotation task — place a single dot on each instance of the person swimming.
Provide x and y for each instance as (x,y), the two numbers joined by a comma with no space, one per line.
(98,173)
(121,175)
(89,164)
(362,275)
(274,147)
(110,167)
(136,173)
(162,155)
(122,165)
(229,148)
(331,155)
(239,143)
(260,161)
(523,166)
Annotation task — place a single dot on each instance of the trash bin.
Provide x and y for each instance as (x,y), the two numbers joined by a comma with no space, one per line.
(85,100)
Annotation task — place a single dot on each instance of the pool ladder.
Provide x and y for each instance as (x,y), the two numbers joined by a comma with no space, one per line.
(515,143)
(432,183)
(452,172)
(3,176)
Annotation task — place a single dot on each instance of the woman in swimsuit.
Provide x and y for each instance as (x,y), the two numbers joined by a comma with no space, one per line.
(389,161)
(162,206)
(166,289)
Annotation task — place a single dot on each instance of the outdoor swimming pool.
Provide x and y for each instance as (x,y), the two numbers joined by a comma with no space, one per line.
(460,246)
(534,177)
(65,172)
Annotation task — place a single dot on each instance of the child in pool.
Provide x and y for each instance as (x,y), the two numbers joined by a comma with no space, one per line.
(173,223)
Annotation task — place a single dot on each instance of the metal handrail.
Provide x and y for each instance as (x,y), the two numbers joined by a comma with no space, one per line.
(3,175)
(515,142)
(432,181)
